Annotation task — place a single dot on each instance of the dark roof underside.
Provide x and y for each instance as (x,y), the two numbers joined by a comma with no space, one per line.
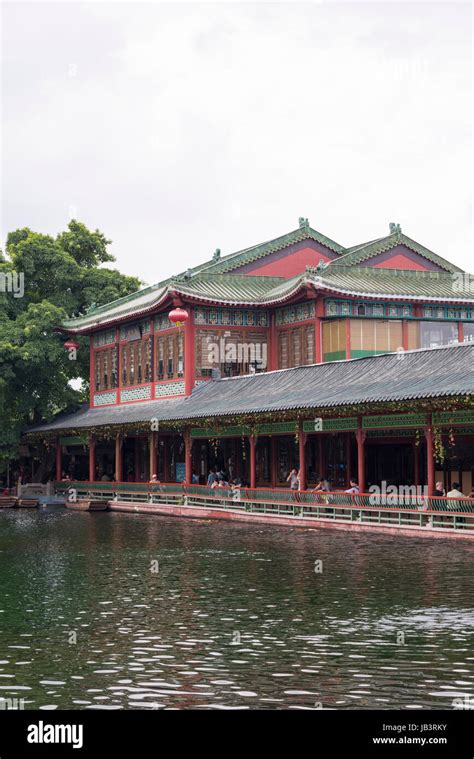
(392,377)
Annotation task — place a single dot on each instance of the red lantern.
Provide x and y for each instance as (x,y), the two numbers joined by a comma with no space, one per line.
(178,316)
(70,344)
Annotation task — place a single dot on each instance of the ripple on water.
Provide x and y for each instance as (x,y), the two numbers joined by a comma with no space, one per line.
(237,620)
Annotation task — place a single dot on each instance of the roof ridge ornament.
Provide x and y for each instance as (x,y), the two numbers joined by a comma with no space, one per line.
(395,229)
(216,255)
(303,223)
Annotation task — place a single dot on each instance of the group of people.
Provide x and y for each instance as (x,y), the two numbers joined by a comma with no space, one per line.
(322,485)
(218,478)
(455,491)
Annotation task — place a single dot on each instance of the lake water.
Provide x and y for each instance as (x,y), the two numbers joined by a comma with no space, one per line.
(126,611)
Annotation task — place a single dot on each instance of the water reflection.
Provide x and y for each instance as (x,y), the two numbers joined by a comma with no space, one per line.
(236,616)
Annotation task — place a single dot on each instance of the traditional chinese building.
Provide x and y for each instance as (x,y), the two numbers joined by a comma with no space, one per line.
(260,375)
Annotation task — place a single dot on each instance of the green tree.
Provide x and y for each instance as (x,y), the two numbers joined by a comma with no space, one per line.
(63,277)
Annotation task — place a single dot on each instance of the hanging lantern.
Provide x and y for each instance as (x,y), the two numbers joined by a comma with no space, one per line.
(71,344)
(178,316)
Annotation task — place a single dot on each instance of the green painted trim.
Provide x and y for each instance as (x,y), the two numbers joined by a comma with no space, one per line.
(443,418)
(208,432)
(392,421)
(344,424)
(277,428)
(76,440)
(392,433)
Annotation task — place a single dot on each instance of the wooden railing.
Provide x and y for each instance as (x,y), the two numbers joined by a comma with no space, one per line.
(405,509)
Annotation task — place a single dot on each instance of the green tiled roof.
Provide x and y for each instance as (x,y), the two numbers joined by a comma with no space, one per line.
(422,374)
(396,283)
(361,253)
(214,281)
(235,288)
(242,257)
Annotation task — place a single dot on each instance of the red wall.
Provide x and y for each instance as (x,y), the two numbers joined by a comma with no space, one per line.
(401,257)
(290,261)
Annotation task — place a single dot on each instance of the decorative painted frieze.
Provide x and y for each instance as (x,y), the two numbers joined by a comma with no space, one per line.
(444,418)
(442,312)
(338,307)
(342,424)
(107,337)
(291,314)
(390,421)
(230,317)
(135,331)
(162,322)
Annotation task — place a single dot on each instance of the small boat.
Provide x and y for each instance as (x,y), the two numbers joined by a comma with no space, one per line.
(87,504)
(7,501)
(27,503)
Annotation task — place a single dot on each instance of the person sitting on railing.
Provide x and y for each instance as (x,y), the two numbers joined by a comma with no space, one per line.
(354,487)
(322,486)
(455,492)
(440,489)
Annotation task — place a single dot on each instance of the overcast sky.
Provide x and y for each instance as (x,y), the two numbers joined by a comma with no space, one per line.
(180,128)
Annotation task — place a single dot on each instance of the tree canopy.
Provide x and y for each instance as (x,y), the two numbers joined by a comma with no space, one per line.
(43,280)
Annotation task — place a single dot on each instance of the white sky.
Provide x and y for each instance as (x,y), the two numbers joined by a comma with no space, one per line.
(180,128)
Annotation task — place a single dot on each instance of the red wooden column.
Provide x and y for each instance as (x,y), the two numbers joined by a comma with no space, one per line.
(91,459)
(253,463)
(460,332)
(152,442)
(416,464)
(302,455)
(188,457)
(59,460)
(430,467)
(118,457)
(189,352)
(360,438)
(348,338)
(318,330)
(273,344)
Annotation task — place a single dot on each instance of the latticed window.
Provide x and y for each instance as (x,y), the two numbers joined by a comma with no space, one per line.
(105,369)
(170,356)
(136,362)
(296,346)
(232,352)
